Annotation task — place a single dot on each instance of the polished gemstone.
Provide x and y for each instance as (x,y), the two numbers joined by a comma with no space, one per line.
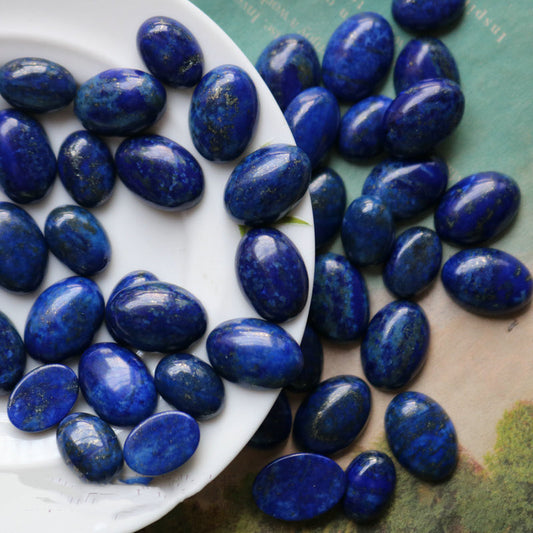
(276,427)
(135,277)
(313,355)
(424,15)
(12,355)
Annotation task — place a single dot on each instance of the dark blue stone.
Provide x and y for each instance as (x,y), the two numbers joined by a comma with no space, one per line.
(12,355)
(161,171)
(43,397)
(408,187)
(156,316)
(367,231)
(63,320)
(267,184)
(422,59)
(414,262)
(421,436)
(477,208)
(395,345)
(36,85)
(299,486)
(116,384)
(120,101)
(223,113)
(89,447)
(333,415)
(27,162)
(190,385)
(313,355)
(487,281)
(86,168)
(339,305)
(136,277)
(361,132)
(289,64)
(276,427)
(358,56)
(422,116)
(76,237)
(272,274)
(314,117)
(161,443)
(370,484)
(254,353)
(23,250)
(424,15)
(170,51)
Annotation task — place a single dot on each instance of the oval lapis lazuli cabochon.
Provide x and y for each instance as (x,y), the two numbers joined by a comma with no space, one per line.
(12,355)
(277,425)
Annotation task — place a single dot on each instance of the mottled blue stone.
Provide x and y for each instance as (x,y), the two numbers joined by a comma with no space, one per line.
(414,262)
(333,415)
(190,385)
(313,355)
(424,15)
(36,85)
(408,187)
(267,184)
(487,281)
(86,168)
(370,484)
(43,397)
(63,320)
(339,304)
(272,274)
(161,171)
(289,64)
(276,427)
(23,250)
(27,162)
(136,277)
(76,237)
(120,102)
(367,231)
(116,384)
(254,353)
(421,436)
(361,132)
(12,355)
(395,345)
(299,486)
(156,316)
(314,117)
(223,113)
(161,443)
(422,59)
(89,447)
(170,51)
(358,56)
(477,208)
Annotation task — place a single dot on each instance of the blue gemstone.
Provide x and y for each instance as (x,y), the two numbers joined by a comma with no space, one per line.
(421,436)
(89,447)
(313,355)
(333,415)
(289,64)
(63,320)
(424,15)
(477,208)
(120,101)
(223,113)
(76,237)
(367,231)
(299,486)
(12,355)
(170,51)
(254,353)
(116,384)
(86,168)
(272,274)
(161,171)
(314,117)
(136,277)
(358,56)
(27,162)
(395,345)
(23,250)
(161,443)
(370,484)
(190,385)
(43,397)
(276,427)
(339,305)
(487,281)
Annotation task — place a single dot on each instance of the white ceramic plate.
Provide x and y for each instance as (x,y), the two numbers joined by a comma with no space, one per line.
(194,249)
